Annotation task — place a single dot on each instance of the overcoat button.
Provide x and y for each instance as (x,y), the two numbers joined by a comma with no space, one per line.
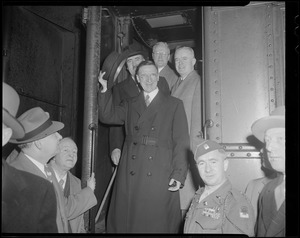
(132,173)
(136,128)
(133,157)
(135,143)
(149,174)
(150,158)
(152,128)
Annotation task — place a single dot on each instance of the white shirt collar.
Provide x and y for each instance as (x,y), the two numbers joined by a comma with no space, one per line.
(64,178)
(152,94)
(160,69)
(37,163)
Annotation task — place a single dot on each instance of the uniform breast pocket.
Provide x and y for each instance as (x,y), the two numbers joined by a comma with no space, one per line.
(209,221)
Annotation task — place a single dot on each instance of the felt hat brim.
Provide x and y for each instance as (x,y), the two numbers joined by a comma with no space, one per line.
(262,125)
(11,122)
(112,66)
(54,127)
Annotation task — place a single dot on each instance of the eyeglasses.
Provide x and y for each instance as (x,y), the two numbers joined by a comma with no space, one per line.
(161,53)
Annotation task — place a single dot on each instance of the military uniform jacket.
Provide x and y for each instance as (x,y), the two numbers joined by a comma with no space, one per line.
(169,75)
(225,211)
(154,152)
(270,222)
(67,208)
(28,203)
(123,90)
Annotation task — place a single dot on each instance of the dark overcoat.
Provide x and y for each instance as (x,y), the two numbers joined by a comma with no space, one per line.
(270,222)
(121,91)
(28,202)
(154,152)
(67,208)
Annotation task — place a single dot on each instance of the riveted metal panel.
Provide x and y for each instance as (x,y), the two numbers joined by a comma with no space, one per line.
(239,69)
(243,79)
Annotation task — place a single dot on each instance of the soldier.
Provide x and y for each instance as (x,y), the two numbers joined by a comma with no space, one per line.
(217,207)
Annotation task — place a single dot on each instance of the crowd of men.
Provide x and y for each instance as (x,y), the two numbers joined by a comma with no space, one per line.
(156,143)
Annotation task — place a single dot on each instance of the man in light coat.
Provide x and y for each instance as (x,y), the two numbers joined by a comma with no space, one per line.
(62,163)
(188,89)
(153,166)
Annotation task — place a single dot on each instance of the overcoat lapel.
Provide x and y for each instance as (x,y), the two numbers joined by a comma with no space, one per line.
(152,109)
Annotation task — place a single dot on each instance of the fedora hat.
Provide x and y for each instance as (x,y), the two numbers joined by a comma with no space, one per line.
(112,66)
(10,105)
(37,125)
(275,120)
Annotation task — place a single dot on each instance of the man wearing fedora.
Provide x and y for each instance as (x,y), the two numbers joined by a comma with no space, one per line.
(153,165)
(133,56)
(161,56)
(271,202)
(28,201)
(38,146)
(217,207)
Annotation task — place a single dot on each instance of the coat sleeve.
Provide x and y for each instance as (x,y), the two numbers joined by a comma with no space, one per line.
(181,144)
(108,112)
(79,203)
(196,117)
(116,133)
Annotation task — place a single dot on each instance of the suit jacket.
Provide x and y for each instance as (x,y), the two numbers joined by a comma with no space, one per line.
(170,75)
(270,222)
(253,190)
(155,151)
(77,224)
(189,91)
(28,202)
(67,208)
(123,90)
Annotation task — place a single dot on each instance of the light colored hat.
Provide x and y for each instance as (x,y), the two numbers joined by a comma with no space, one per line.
(10,105)
(205,147)
(275,120)
(37,125)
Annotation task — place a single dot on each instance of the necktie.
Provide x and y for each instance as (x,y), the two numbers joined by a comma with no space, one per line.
(48,173)
(147,100)
(61,183)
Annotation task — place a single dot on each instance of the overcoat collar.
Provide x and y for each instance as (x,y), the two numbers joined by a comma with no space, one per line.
(139,106)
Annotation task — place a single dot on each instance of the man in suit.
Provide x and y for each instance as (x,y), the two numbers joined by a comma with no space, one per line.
(126,89)
(28,201)
(145,197)
(38,146)
(161,56)
(271,201)
(188,89)
(255,186)
(71,185)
